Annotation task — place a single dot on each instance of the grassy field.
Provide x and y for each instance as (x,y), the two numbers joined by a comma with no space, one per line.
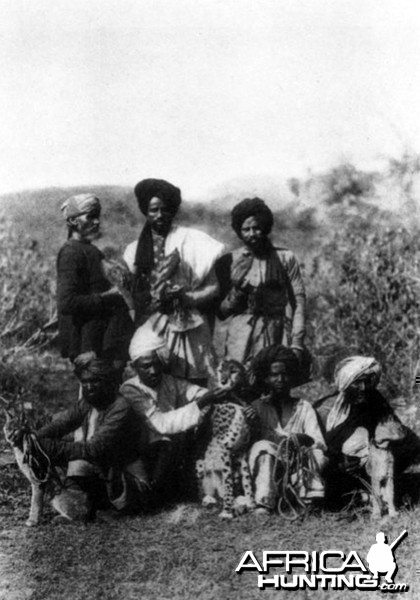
(360,264)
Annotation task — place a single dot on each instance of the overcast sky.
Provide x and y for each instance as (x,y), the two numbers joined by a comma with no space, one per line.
(203,91)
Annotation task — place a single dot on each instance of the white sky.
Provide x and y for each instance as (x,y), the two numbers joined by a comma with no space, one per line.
(203,91)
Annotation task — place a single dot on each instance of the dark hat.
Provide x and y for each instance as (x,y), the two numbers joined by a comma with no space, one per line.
(252,207)
(276,353)
(147,189)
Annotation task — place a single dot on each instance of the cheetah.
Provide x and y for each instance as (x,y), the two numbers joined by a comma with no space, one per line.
(226,455)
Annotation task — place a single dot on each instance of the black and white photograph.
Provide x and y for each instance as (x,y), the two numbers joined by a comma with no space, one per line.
(209,299)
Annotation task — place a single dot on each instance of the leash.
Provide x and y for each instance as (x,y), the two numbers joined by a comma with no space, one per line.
(290,468)
(38,461)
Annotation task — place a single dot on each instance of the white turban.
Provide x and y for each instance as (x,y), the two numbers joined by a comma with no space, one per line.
(351,368)
(145,341)
(347,372)
(79,205)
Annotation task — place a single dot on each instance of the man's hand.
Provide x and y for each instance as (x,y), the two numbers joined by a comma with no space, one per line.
(113,292)
(251,416)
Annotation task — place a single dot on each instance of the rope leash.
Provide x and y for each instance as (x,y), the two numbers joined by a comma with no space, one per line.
(291,468)
(38,461)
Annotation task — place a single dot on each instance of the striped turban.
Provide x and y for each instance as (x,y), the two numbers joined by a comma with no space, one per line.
(80,204)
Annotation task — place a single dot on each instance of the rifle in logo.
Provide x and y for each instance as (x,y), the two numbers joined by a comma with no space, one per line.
(381,558)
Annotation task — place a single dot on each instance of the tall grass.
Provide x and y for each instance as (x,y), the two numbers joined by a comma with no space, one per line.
(364,296)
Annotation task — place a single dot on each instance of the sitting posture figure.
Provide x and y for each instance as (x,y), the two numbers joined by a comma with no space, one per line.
(167,406)
(227,451)
(31,459)
(104,466)
(362,430)
(287,463)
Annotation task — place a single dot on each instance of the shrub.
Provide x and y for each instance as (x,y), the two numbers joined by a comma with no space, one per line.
(364,296)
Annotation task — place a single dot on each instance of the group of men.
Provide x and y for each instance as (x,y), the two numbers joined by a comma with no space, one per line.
(128,429)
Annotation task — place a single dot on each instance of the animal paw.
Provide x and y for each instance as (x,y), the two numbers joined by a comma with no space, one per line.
(209,501)
(262,511)
(242,504)
(31,523)
(225,514)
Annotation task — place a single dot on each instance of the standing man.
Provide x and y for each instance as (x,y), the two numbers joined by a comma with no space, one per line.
(92,315)
(175,280)
(262,291)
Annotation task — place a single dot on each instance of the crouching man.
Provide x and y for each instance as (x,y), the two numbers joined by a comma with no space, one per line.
(104,466)
(287,463)
(168,407)
(362,429)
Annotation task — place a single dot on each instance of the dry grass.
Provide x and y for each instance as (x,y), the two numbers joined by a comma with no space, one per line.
(182,553)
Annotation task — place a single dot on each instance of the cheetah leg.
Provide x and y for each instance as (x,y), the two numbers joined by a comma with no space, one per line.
(388,491)
(37,505)
(227,512)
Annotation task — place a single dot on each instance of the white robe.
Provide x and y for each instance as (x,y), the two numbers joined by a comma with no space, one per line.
(192,354)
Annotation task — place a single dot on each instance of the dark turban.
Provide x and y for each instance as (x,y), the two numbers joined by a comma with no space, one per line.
(97,367)
(147,189)
(252,207)
(277,353)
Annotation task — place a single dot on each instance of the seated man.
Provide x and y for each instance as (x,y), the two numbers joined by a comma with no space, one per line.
(353,420)
(287,462)
(105,469)
(168,406)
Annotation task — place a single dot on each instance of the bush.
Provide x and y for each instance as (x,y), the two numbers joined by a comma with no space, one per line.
(364,296)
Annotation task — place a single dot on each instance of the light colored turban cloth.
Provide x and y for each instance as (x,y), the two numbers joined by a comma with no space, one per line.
(79,204)
(347,372)
(145,341)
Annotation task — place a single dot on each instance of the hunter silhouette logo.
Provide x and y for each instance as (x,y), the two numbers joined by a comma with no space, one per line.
(327,569)
(380,557)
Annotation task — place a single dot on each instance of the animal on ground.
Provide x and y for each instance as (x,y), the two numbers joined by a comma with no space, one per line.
(225,460)
(16,423)
(381,466)
(35,465)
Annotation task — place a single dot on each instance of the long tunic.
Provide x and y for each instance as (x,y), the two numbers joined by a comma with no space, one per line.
(269,308)
(189,340)
(86,320)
